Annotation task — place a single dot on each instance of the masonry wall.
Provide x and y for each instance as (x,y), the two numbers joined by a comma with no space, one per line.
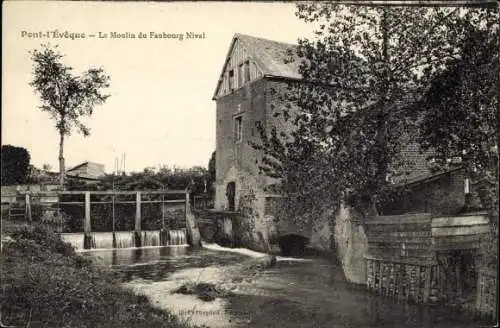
(236,160)
(443,195)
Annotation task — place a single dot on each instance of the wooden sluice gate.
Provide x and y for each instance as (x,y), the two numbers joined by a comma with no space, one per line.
(418,258)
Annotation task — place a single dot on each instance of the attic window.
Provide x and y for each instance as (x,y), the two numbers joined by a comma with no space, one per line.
(231,80)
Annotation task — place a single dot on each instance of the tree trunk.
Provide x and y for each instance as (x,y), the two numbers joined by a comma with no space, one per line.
(62,169)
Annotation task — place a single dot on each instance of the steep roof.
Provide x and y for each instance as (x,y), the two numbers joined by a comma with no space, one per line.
(278,59)
(273,57)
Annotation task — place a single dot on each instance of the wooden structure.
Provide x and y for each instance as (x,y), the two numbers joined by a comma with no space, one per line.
(419,258)
(84,202)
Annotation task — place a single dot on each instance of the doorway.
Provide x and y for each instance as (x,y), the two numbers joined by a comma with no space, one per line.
(230,194)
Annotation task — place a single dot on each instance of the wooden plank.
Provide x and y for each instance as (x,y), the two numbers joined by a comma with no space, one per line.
(399,246)
(409,216)
(399,221)
(417,286)
(394,239)
(459,221)
(422,233)
(459,239)
(398,228)
(427,286)
(460,231)
(138,211)
(86,225)
(463,246)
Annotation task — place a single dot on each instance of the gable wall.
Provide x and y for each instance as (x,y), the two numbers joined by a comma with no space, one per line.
(238,56)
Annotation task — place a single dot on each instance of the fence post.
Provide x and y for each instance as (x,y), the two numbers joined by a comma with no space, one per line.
(87,239)
(138,219)
(27,212)
(138,211)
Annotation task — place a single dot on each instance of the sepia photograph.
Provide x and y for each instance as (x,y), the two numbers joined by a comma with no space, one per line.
(186,164)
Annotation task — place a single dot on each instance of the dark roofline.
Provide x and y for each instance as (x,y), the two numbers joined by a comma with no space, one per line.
(429,178)
(77,166)
(231,46)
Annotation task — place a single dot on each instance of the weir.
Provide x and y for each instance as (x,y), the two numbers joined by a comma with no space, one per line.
(126,239)
(89,239)
(150,238)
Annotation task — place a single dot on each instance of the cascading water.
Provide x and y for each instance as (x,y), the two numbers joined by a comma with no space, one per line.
(124,239)
(75,239)
(102,240)
(150,238)
(177,237)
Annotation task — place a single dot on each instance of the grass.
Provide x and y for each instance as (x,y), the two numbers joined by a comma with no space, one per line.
(46,284)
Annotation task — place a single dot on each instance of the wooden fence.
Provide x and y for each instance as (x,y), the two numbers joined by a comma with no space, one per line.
(89,209)
(416,257)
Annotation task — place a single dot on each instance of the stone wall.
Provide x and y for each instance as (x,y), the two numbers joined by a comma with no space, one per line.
(442,195)
(351,244)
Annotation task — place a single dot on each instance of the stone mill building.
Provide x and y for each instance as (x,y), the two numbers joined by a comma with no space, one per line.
(254,69)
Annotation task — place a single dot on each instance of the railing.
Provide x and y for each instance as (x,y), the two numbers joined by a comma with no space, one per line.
(203,202)
(107,210)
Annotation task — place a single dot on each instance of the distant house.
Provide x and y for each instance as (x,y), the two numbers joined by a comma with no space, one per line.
(87,171)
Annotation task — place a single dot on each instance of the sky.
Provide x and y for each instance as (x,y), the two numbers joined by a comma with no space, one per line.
(161,110)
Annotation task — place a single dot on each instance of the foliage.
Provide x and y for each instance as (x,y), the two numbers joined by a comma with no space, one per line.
(55,220)
(65,96)
(459,110)
(15,165)
(45,284)
(211,174)
(347,116)
(459,119)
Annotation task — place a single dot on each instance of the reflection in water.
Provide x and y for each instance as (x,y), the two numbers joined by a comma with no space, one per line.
(310,293)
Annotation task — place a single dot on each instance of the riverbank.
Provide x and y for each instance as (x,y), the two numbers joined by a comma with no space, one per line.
(46,284)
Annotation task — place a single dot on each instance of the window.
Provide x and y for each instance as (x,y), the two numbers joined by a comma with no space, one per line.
(231,80)
(238,128)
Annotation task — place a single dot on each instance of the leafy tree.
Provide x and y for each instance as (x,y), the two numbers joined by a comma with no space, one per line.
(15,165)
(65,96)
(459,118)
(349,112)
(211,173)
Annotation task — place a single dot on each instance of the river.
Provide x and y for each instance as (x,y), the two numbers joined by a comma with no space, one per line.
(296,292)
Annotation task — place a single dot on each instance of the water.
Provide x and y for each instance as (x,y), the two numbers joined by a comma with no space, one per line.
(75,239)
(310,292)
(177,237)
(102,240)
(150,238)
(124,239)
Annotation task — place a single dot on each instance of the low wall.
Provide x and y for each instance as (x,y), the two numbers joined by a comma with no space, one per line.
(216,226)
(351,244)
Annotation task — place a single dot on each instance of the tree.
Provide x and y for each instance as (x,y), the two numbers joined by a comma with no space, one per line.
(459,117)
(15,165)
(65,96)
(211,173)
(349,112)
